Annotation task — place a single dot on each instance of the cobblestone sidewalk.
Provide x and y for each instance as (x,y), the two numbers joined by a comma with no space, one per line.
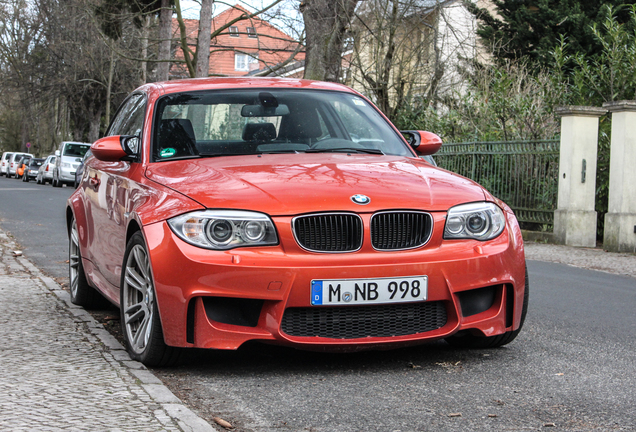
(60,370)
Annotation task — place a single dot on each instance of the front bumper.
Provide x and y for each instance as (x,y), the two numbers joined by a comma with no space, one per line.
(212,299)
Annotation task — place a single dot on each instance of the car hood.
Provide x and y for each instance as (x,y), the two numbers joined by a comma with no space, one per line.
(292,184)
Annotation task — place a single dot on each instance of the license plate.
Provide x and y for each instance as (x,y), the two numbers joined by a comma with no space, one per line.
(369,291)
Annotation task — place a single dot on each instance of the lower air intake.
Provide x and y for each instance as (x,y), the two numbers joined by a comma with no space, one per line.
(352,322)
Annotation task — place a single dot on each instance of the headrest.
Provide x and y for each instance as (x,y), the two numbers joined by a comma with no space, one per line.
(302,124)
(259,132)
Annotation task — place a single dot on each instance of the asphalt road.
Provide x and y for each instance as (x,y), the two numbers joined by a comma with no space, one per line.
(573,367)
(34,215)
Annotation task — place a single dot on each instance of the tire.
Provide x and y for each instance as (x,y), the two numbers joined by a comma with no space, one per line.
(56,181)
(140,321)
(467,340)
(82,293)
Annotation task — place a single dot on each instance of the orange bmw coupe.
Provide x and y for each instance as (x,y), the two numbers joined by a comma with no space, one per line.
(225,210)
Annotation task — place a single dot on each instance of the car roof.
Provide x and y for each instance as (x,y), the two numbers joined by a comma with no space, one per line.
(214,83)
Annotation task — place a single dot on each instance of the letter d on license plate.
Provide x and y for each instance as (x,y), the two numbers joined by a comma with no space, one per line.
(369,291)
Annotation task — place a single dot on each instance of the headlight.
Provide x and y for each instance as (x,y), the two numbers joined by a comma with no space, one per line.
(479,221)
(224,229)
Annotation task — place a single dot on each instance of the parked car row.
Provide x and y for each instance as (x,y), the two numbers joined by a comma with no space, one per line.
(63,167)
(11,162)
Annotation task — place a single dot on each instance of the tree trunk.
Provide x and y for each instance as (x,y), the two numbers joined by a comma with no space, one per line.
(144,49)
(94,126)
(109,88)
(165,36)
(202,65)
(326,22)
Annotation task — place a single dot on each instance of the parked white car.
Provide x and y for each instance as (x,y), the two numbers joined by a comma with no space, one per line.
(4,163)
(69,157)
(45,173)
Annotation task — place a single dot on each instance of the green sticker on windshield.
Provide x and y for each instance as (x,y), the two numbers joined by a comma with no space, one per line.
(167,152)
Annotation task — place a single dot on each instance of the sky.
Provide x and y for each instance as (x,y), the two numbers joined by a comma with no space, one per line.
(190,8)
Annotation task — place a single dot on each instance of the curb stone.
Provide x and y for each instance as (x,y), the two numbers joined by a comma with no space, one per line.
(172,411)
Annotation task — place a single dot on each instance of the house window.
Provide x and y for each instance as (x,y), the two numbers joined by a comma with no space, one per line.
(251,32)
(234,31)
(245,62)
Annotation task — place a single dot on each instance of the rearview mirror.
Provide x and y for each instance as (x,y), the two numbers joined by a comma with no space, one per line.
(264,111)
(423,142)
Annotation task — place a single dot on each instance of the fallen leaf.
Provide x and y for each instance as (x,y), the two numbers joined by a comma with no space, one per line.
(559,374)
(17,253)
(224,423)
(414,366)
(492,415)
(549,425)
(455,415)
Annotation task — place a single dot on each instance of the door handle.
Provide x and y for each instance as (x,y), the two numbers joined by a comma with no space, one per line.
(93,182)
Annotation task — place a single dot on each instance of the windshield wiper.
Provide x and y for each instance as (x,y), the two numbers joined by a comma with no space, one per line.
(282,152)
(224,154)
(345,149)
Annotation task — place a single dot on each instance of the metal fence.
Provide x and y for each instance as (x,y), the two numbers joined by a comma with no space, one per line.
(524,174)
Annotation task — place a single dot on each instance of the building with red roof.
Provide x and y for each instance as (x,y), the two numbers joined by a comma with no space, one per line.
(245,47)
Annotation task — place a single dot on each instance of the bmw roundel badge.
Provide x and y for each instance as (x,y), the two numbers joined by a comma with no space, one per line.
(361,199)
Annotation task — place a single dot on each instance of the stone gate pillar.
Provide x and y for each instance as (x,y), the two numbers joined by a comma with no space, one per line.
(575,217)
(620,220)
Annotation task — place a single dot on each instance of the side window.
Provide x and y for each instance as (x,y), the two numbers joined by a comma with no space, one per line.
(135,122)
(130,117)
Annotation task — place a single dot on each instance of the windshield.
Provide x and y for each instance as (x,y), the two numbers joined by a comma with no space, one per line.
(36,162)
(76,150)
(241,122)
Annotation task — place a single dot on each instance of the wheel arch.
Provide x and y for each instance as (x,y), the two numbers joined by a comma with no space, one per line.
(133,227)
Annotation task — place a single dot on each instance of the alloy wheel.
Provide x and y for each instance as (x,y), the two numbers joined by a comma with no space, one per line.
(74,258)
(138,299)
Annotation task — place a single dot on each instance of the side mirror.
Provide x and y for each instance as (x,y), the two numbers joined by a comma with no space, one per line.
(114,148)
(57,153)
(424,143)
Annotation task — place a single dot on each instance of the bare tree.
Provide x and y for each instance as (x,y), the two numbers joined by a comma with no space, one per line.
(61,77)
(394,52)
(326,23)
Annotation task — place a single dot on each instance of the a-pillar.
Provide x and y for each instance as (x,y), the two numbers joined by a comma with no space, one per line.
(620,220)
(575,218)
